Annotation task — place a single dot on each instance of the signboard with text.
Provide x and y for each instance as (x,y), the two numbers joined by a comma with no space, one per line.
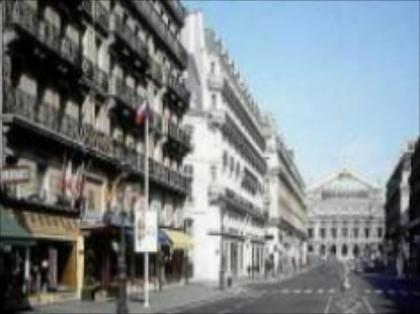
(146,231)
(15,175)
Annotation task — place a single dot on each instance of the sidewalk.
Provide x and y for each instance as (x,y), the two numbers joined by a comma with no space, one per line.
(172,297)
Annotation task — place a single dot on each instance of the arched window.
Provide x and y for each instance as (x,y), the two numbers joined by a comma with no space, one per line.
(344,250)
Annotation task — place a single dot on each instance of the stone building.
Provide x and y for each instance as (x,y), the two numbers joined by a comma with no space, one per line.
(414,210)
(226,207)
(397,208)
(286,229)
(345,218)
(75,73)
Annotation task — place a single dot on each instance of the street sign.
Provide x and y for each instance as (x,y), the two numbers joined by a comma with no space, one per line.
(15,175)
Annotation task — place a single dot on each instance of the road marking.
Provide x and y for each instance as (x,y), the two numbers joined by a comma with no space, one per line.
(308,291)
(296,291)
(327,306)
(331,291)
(320,291)
(368,305)
(368,291)
(378,291)
(285,291)
(391,291)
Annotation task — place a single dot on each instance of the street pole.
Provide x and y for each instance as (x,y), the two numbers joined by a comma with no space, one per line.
(122,307)
(222,257)
(2,3)
(146,208)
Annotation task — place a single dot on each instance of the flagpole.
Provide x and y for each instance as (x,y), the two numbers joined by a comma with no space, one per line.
(146,209)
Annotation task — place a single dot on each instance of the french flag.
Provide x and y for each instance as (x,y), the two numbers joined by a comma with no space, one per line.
(142,113)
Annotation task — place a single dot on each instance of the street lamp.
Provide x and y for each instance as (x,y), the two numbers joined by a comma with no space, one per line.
(122,307)
(222,257)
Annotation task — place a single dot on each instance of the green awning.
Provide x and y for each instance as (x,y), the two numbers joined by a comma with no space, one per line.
(11,232)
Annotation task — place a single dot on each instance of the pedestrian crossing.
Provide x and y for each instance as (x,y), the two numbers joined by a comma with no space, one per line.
(330,290)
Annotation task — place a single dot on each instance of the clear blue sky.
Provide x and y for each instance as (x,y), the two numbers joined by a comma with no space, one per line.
(341,78)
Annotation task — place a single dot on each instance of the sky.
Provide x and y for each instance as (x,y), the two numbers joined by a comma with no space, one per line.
(340,78)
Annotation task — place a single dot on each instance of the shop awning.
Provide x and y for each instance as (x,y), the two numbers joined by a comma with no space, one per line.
(179,240)
(163,239)
(11,232)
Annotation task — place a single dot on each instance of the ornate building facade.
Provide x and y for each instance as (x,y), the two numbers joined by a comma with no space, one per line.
(286,229)
(75,72)
(227,204)
(345,218)
(414,210)
(397,205)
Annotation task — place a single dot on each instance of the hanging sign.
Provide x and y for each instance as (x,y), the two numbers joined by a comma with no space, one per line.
(146,231)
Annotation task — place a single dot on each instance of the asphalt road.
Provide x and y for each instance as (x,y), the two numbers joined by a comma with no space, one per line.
(320,291)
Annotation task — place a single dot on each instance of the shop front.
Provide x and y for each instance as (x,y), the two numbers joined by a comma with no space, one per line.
(49,266)
(15,244)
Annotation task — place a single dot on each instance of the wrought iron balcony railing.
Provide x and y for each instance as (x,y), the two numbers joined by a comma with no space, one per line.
(22,15)
(95,74)
(178,134)
(148,13)
(155,72)
(129,37)
(178,87)
(96,12)
(125,93)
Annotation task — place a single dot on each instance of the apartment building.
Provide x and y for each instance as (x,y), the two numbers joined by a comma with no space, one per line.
(286,229)
(414,210)
(75,73)
(226,207)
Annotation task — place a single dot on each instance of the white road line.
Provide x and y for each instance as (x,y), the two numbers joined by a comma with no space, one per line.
(285,291)
(296,291)
(378,291)
(320,291)
(368,305)
(331,291)
(368,291)
(327,306)
(308,291)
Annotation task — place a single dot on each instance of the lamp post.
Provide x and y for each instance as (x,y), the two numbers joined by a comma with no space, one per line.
(222,257)
(122,307)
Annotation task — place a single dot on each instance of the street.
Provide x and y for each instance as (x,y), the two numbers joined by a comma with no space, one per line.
(319,291)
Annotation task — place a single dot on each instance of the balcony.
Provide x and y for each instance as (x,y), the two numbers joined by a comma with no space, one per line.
(234,201)
(148,13)
(28,25)
(95,77)
(155,72)
(177,9)
(127,43)
(215,82)
(178,141)
(178,89)
(125,94)
(96,13)
(51,123)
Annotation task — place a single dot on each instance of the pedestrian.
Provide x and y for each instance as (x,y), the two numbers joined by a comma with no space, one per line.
(44,274)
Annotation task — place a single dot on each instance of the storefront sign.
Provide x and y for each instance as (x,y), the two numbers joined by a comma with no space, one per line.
(146,231)
(15,175)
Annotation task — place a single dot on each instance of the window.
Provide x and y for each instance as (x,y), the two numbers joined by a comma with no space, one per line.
(334,233)
(213,101)
(225,160)
(322,233)
(310,233)
(367,233)
(379,232)
(355,233)
(344,232)
(212,67)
